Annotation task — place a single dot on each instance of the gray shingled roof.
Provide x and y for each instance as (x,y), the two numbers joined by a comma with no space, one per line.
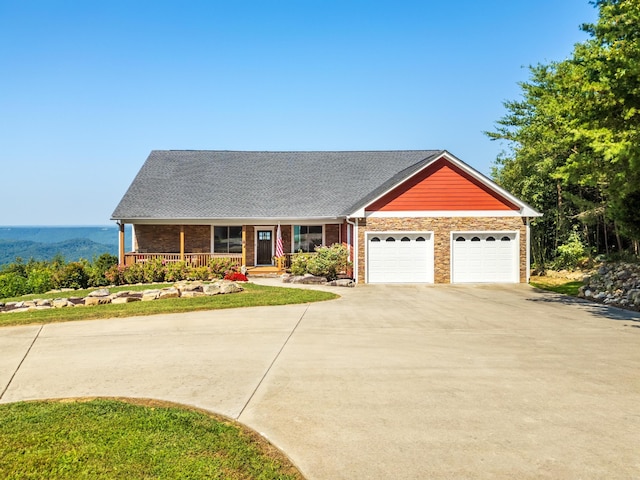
(184,184)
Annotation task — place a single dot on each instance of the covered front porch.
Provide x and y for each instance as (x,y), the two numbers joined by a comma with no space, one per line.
(254,247)
(281,264)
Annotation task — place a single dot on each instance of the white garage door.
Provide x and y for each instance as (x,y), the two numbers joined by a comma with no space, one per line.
(484,257)
(400,258)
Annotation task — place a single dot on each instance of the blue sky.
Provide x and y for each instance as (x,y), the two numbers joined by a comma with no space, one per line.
(88,89)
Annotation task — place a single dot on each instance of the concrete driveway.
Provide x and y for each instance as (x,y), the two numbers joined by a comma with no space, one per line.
(411,382)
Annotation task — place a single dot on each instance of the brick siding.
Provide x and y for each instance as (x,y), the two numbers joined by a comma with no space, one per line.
(331,234)
(166,238)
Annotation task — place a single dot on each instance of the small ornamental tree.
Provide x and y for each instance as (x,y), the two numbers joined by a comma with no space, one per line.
(99,268)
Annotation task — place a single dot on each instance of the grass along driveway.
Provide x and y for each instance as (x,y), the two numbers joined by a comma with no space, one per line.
(566,286)
(252,296)
(109,438)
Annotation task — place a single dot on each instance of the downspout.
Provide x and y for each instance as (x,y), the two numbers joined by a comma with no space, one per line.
(354,244)
(528,255)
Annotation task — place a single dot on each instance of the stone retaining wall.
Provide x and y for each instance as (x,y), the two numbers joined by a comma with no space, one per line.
(615,284)
(103,296)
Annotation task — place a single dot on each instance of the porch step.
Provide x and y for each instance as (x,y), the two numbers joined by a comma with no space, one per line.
(264,271)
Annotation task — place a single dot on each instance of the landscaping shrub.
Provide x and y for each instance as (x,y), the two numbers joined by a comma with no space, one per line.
(236,277)
(326,262)
(153,271)
(300,263)
(176,271)
(12,284)
(99,268)
(199,273)
(40,280)
(71,275)
(18,267)
(20,278)
(571,253)
(221,266)
(115,275)
(133,274)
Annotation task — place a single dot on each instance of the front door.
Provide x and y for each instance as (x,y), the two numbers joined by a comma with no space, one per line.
(265,247)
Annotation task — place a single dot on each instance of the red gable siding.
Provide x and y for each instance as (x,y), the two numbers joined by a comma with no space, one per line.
(441,186)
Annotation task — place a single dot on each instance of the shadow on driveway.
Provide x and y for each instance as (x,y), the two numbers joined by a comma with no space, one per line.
(595,309)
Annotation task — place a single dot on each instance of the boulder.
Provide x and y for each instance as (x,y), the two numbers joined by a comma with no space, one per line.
(192,294)
(344,282)
(185,286)
(221,287)
(19,310)
(121,300)
(307,279)
(230,287)
(61,303)
(101,292)
(149,295)
(124,293)
(211,289)
(89,301)
(171,292)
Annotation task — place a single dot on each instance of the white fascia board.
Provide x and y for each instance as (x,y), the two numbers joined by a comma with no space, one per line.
(360,213)
(234,221)
(444,213)
(525,210)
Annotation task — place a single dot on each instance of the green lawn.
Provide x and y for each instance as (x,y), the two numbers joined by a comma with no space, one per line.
(558,285)
(115,439)
(253,295)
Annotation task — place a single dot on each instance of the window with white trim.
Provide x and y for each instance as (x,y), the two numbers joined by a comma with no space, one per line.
(306,237)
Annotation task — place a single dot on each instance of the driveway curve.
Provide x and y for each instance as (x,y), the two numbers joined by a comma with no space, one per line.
(405,381)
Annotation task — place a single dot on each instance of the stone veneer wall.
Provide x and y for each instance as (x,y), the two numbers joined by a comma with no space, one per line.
(166,238)
(442,228)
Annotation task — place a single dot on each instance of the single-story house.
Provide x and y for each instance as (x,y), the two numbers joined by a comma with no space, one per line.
(407,216)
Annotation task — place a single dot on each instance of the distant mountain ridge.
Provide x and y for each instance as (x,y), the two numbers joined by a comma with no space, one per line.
(44,243)
(71,250)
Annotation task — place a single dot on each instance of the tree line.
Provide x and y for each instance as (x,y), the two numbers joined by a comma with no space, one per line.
(573,144)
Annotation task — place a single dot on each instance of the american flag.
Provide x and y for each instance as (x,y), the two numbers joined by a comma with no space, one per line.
(279,251)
